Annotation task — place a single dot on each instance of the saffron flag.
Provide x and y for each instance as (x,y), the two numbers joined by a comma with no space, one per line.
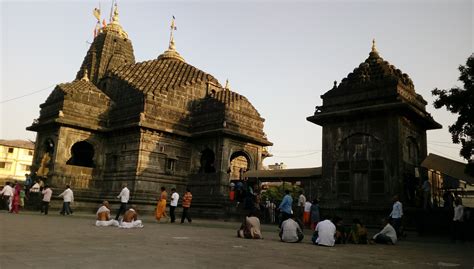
(96,29)
(96,13)
(104,23)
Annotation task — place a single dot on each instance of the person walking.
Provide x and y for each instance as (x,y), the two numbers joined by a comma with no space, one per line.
(16,200)
(47,193)
(7,194)
(68,198)
(173,204)
(124,196)
(314,214)
(300,206)
(187,198)
(34,195)
(161,206)
(286,207)
(396,214)
(458,221)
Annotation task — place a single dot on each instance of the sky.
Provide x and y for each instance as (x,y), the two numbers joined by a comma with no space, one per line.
(281,55)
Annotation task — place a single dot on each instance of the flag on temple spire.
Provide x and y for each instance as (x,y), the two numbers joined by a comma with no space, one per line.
(104,23)
(96,29)
(96,13)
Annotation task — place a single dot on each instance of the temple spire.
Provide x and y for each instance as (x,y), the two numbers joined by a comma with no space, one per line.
(172,28)
(374,49)
(114,25)
(171,52)
(115,17)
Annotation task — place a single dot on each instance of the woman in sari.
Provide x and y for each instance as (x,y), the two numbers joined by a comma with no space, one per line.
(161,206)
(16,198)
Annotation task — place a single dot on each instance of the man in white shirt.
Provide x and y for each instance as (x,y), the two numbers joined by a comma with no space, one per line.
(324,233)
(68,197)
(124,196)
(300,208)
(387,235)
(35,188)
(291,231)
(173,204)
(396,214)
(34,197)
(47,193)
(458,221)
(7,194)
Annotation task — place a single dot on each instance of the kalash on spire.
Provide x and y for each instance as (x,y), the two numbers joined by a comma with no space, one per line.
(114,25)
(171,52)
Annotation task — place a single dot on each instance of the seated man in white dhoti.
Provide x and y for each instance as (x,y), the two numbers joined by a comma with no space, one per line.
(103,216)
(130,219)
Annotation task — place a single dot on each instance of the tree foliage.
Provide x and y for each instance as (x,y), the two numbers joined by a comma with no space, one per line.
(276,193)
(461,101)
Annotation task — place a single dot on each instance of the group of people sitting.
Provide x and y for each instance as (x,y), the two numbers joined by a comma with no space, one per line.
(129,220)
(327,232)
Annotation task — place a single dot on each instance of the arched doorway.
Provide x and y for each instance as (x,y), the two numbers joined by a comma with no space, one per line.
(239,163)
(82,154)
(207,162)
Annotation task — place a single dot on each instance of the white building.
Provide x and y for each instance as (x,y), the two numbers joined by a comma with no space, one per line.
(16,157)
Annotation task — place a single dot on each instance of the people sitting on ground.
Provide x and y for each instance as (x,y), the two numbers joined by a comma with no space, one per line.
(341,233)
(387,235)
(324,233)
(358,233)
(103,216)
(130,219)
(250,228)
(291,231)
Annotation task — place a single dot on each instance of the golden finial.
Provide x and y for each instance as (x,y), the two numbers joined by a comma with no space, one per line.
(171,53)
(114,25)
(374,49)
(115,17)
(227,85)
(85,76)
(172,28)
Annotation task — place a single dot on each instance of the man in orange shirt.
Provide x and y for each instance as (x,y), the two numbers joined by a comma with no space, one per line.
(187,197)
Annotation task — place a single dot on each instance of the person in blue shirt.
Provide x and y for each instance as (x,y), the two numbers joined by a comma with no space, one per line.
(285,207)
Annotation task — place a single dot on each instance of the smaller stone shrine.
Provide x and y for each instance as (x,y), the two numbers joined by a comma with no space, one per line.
(374,135)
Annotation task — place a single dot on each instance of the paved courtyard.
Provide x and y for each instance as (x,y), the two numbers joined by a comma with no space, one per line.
(30,240)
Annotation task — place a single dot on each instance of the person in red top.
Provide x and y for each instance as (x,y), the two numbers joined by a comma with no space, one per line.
(187,197)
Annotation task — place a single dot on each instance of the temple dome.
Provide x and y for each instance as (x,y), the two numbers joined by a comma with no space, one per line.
(374,72)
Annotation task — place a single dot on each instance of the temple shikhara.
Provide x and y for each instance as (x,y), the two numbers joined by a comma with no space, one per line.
(161,122)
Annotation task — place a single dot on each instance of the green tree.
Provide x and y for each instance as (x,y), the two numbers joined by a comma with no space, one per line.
(276,193)
(461,101)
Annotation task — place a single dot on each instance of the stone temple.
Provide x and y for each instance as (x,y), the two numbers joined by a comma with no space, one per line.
(374,137)
(161,122)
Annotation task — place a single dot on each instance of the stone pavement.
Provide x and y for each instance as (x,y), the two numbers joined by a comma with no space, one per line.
(31,240)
